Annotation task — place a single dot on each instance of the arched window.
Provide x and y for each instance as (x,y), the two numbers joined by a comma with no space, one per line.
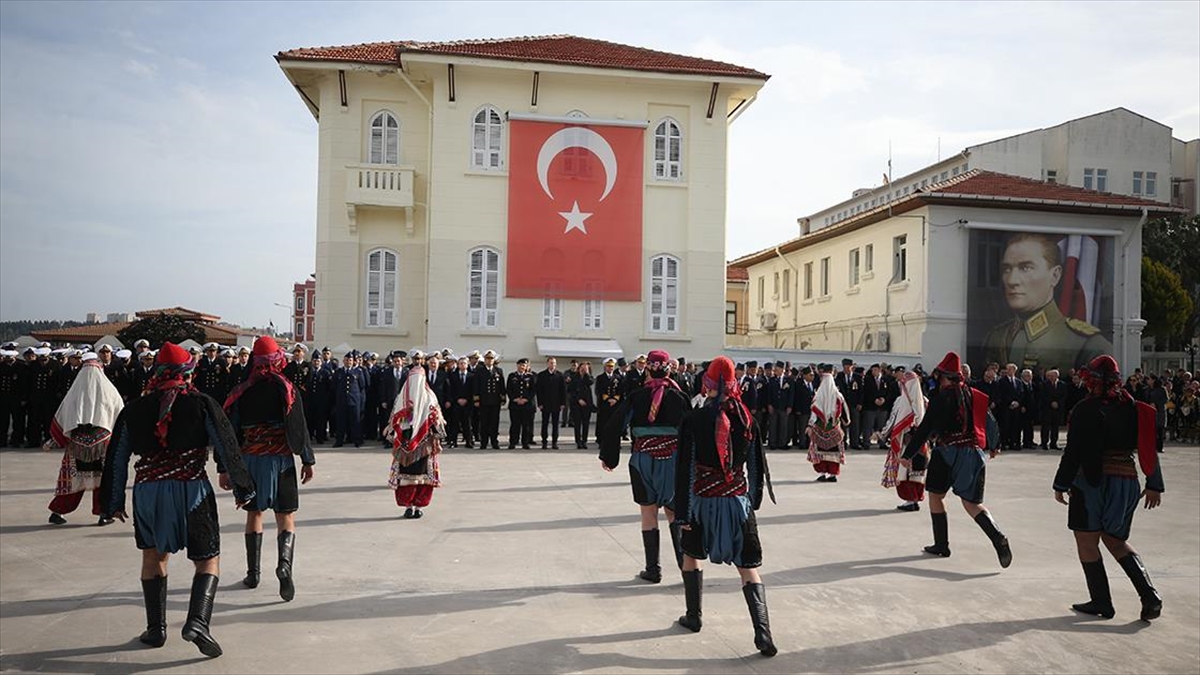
(576,114)
(385,139)
(664,294)
(668,151)
(483,288)
(383,271)
(487,139)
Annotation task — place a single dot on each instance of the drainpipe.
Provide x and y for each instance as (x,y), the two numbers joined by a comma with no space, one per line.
(1126,347)
(428,191)
(795,297)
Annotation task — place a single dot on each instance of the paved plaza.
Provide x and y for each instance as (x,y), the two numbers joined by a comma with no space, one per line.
(525,563)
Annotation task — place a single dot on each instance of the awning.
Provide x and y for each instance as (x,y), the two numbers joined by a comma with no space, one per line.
(589,348)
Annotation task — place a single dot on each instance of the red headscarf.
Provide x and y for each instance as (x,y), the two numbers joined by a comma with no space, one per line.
(266,363)
(721,378)
(172,364)
(658,381)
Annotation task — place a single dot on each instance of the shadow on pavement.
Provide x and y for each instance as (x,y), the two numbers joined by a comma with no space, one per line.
(61,660)
(856,569)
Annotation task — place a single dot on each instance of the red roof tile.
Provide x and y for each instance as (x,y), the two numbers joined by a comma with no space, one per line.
(559,49)
(1015,188)
(736,274)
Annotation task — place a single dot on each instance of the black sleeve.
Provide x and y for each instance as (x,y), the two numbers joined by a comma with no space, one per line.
(684,453)
(756,470)
(116,470)
(226,452)
(926,428)
(610,436)
(296,427)
(1069,463)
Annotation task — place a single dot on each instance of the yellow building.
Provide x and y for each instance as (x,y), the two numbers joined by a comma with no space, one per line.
(412,208)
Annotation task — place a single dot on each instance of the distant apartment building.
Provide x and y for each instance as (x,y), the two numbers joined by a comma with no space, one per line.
(304,300)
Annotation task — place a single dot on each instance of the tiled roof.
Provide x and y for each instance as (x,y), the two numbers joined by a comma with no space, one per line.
(91,332)
(558,49)
(999,185)
(736,274)
(184,312)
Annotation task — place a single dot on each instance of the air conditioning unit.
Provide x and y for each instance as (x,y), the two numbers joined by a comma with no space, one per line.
(877,341)
(768,320)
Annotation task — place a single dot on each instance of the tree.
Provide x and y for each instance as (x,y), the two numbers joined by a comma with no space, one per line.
(1166,305)
(160,328)
(1175,242)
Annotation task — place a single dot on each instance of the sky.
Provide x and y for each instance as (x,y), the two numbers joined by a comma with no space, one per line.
(153,154)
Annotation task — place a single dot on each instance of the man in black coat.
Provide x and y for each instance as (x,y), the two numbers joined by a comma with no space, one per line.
(391,379)
(551,391)
(1029,408)
(521,390)
(779,407)
(489,395)
(850,383)
(458,387)
(1009,391)
(875,406)
(805,390)
(609,392)
(1052,403)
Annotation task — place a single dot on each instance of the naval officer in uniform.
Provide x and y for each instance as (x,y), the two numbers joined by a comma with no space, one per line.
(1039,335)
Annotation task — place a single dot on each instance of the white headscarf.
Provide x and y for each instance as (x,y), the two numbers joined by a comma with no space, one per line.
(829,404)
(907,411)
(92,400)
(416,409)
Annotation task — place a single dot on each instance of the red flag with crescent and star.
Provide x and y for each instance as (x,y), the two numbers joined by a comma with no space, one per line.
(574,211)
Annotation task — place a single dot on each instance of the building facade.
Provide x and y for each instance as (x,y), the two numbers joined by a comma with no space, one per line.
(999,267)
(304,301)
(413,231)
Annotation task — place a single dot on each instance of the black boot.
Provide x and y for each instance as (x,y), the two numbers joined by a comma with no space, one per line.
(287,545)
(253,559)
(1100,602)
(652,573)
(677,544)
(1003,552)
(693,592)
(154,593)
(204,589)
(756,601)
(1151,600)
(941,536)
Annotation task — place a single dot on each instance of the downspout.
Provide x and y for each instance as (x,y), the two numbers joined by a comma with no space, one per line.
(428,189)
(1127,349)
(795,298)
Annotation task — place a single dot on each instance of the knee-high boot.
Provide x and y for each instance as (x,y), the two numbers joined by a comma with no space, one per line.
(756,601)
(652,573)
(204,590)
(253,559)
(154,593)
(941,536)
(693,592)
(999,541)
(287,547)
(1100,598)
(677,544)
(1151,600)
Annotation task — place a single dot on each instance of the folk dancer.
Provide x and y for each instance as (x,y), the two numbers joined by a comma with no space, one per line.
(908,411)
(83,426)
(827,428)
(416,430)
(267,413)
(956,420)
(174,507)
(1097,470)
(653,414)
(720,474)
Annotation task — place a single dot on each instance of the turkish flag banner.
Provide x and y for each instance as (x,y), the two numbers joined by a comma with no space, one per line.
(574,211)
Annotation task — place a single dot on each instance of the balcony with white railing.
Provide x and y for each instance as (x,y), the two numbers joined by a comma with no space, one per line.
(379,185)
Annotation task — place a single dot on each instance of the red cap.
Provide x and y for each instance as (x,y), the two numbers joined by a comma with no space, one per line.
(1104,367)
(720,370)
(950,365)
(657,356)
(265,345)
(172,354)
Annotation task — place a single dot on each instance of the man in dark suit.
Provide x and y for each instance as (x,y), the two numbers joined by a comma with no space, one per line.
(875,407)
(805,390)
(779,407)
(609,389)
(521,390)
(749,385)
(635,377)
(850,384)
(1009,392)
(458,388)
(489,395)
(1051,405)
(390,380)
(551,391)
(1029,408)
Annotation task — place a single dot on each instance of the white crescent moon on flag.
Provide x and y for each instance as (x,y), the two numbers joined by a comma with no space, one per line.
(577,137)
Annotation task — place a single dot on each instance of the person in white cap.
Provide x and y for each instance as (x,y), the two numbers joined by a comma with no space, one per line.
(489,395)
(40,398)
(11,378)
(83,426)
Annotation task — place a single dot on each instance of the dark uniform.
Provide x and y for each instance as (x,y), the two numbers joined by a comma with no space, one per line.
(524,385)
(581,417)
(489,396)
(779,402)
(551,397)
(10,402)
(608,397)
(349,398)
(211,378)
(851,387)
(458,387)
(320,385)
(1045,339)
(41,403)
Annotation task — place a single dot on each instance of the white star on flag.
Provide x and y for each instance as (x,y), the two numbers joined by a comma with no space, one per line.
(575,219)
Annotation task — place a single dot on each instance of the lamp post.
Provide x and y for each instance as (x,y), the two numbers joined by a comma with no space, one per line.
(287,320)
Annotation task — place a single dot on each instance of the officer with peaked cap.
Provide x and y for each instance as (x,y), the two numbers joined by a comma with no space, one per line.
(349,399)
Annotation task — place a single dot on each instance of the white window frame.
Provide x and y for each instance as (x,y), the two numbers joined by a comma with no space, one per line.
(868,258)
(670,132)
(375,314)
(808,280)
(387,141)
(787,285)
(1102,180)
(552,311)
(824,280)
(1137,182)
(670,291)
(298,334)
(1151,184)
(899,258)
(730,317)
(481,316)
(775,294)
(855,271)
(762,291)
(490,155)
(1052,176)
(300,302)
(593,309)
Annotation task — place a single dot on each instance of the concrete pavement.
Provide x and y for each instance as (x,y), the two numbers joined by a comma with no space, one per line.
(526,561)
